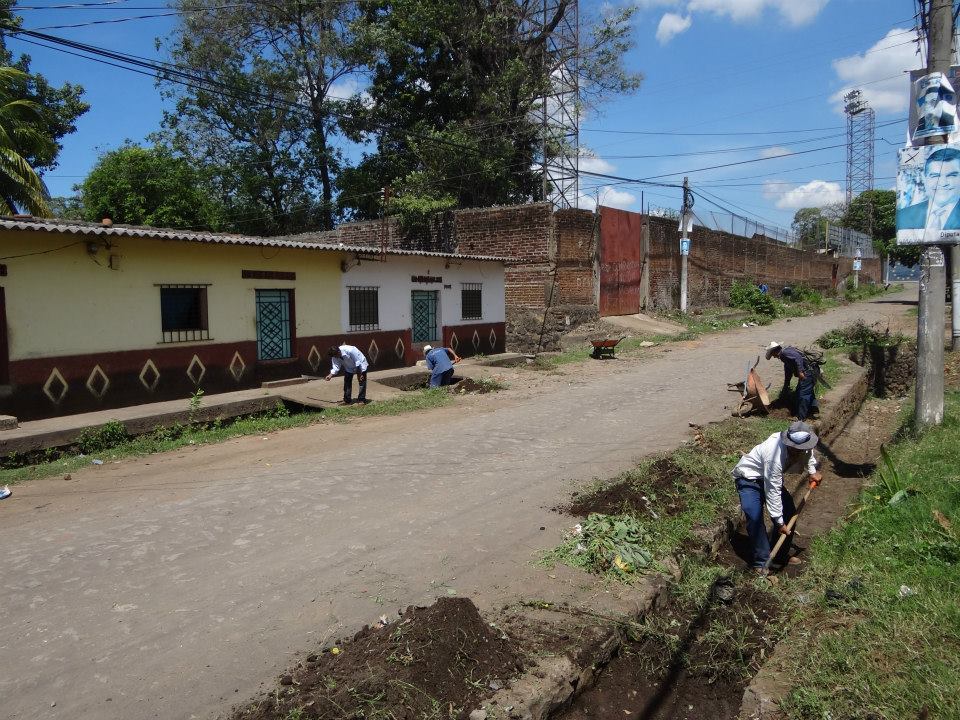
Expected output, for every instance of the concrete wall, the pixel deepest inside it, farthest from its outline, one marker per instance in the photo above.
(394, 280)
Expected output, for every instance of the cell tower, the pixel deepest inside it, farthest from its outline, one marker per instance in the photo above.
(560, 105)
(861, 129)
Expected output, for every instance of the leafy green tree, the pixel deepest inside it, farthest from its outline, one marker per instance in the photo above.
(147, 186)
(809, 225)
(256, 158)
(21, 136)
(279, 66)
(455, 91)
(58, 108)
(878, 208)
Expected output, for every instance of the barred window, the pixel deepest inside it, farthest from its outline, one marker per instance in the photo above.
(471, 301)
(364, 308)
(183, 313)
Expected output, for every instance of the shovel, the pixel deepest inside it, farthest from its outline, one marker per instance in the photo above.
(790, 524)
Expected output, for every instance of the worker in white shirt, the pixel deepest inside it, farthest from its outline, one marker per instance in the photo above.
(351, 361)
(759, 478)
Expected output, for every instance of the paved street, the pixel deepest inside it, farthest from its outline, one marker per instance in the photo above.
(172, 586)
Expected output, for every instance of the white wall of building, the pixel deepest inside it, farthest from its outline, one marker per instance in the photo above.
(393, 278)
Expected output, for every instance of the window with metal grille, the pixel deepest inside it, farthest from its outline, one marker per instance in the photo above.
(183, 313)
(471, 301)
(364, 308)
(274, 324)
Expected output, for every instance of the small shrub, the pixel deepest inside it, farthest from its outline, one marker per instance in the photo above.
(613, 545)
(93, 440)
(806, 294)
(747, 296)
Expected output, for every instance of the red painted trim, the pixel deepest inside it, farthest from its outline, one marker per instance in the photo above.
(4, 346)
(465, 347)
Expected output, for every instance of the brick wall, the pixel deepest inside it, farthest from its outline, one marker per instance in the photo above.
(717, 259)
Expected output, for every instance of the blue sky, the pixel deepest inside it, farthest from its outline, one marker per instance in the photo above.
(766, 67)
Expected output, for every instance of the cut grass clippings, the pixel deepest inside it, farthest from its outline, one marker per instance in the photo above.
(165, 439)
(879, 635)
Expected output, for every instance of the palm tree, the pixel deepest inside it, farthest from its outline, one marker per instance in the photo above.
(21, 135)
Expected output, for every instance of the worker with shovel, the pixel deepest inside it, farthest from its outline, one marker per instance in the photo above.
(759, 479)
(795, 364)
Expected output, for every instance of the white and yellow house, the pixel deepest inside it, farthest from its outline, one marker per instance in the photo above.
(95, 316)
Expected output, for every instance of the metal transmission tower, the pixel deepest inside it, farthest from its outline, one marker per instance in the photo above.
(861, 129)
(560, 105)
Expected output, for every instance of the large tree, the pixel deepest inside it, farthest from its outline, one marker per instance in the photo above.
(277, 66)
(456, 94)
(875, 212)
(147, 186)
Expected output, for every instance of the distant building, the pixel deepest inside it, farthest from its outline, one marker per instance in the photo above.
(95, 316)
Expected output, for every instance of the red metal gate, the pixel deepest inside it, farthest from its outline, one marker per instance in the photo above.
(619, 262)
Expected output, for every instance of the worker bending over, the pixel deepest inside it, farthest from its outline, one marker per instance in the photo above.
(794, 364)
(759, 479)
(352, 362)
(440, 363)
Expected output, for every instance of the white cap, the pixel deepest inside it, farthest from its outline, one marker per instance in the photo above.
(774, 345)
(427, 348)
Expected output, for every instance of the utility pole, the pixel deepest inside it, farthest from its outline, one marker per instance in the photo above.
(684, 242)
(929, 398)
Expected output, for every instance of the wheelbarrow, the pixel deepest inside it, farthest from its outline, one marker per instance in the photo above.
(604, 348)
(753, 393)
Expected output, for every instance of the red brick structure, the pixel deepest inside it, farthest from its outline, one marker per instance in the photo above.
(717, 259)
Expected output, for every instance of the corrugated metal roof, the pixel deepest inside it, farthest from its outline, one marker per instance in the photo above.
(98, 230)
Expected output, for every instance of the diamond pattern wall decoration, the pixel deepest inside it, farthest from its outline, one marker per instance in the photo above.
(493, 339)
(373, 352)
(476, 341)
(454, 341)
(313, 358)
(55, 387)
(399, 348)
(196, 370)
(149, 376)
(98, 383)
(237, 366)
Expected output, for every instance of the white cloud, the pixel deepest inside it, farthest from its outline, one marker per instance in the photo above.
(883, 66)
(672, 25)
(610, 197)
(775, 151)
(816, 193)
(795, 12)
(590, 163)
(345, 88)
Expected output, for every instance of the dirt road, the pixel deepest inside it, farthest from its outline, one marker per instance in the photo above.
(172, 586)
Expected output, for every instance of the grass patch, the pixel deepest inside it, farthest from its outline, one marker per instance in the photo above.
(110, 442)
(881, 636)
(666, 498)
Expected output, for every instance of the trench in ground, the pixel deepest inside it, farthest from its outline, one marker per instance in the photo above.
(690, 660)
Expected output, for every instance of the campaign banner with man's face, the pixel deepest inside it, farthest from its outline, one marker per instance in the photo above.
(933, 104)
(928, 195)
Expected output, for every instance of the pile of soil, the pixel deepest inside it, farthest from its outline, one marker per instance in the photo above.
(660, 486)
(436, 661)
(469, 385)
(690, 664)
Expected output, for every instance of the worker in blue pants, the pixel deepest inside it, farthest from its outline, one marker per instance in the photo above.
(440, 363)
(794, 364)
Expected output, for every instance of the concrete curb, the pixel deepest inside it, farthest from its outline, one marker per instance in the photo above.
(554, 682)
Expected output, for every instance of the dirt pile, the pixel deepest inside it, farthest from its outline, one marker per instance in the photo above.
(658, 490)
(436, 661)
(686, 663)
(469, 385)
